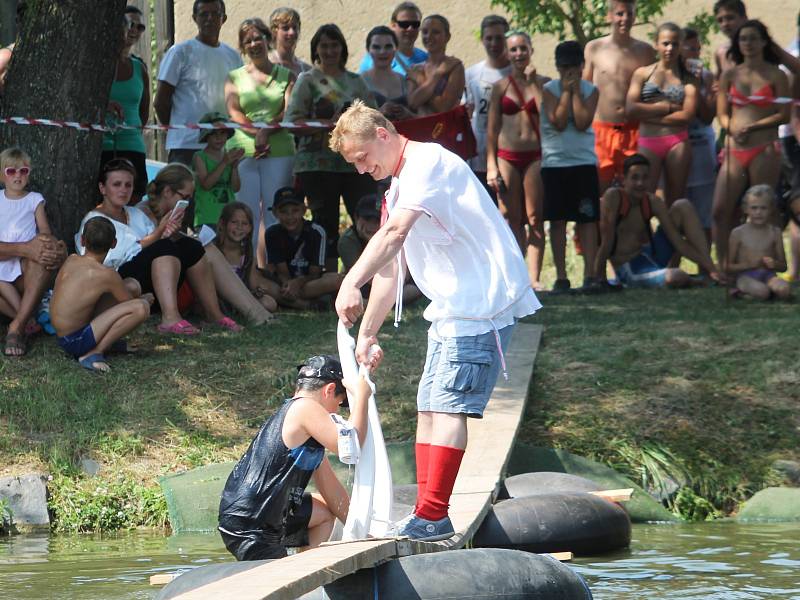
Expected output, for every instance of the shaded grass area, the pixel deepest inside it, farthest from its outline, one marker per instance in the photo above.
(675, 389)
(678, 388)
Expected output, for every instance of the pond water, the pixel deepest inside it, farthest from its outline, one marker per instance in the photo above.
(709, 561)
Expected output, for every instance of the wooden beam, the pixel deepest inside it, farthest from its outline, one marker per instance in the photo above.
(484, 463)
(162, 578)
(621, 495)
(562, 556)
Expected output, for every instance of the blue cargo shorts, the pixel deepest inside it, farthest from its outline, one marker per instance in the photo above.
(460, 373)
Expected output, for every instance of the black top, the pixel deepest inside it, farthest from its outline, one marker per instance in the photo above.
(269, 480)
(299, 253)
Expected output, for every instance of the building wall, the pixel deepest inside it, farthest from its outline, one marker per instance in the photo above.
(355, 20)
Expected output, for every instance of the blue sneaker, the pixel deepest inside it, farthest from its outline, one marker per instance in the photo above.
(422, 530)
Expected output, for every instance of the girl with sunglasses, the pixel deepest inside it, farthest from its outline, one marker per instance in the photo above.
(129, 103)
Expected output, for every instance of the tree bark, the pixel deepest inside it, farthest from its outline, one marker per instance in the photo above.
(62, 68)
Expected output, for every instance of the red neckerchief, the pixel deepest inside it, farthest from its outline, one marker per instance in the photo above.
(384, 209)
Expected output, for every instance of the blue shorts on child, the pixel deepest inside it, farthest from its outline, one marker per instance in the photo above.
(78, 343)
(649, 268)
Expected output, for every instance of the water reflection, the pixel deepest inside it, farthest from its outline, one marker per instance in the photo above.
(705, 561)
(724, 561)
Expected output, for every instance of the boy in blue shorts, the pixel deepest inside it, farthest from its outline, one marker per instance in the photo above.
(92, 306)
(640, 256)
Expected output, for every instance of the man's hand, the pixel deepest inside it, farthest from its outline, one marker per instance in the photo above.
(291, 289)
(349, 304)
(149, 298)
(368, 352)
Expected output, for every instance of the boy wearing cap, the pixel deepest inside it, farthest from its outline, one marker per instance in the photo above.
(264, 507)
(295, 251)
(569, 162)
(217, 172)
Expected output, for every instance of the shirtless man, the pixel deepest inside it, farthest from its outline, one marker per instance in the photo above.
(639, 256)
(92, 307)
(610, 63)
(730, 15)
(756, 249)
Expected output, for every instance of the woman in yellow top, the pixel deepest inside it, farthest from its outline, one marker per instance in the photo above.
(259, 92)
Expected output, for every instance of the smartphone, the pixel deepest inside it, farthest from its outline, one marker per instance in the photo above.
(180, 206)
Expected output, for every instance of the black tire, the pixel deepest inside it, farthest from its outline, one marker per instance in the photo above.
(568, 521)
(472, 574)
(544, 482)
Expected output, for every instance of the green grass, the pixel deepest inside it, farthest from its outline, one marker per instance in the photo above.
(671, 386)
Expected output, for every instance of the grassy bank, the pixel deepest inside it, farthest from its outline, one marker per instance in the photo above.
(679, 386)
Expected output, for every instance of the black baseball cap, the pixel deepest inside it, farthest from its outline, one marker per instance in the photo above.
(325, 367)
(287, 195)
(569, 54)
(369, 207)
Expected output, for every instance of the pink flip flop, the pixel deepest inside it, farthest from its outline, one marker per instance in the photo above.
(182, 327)
(229, 324)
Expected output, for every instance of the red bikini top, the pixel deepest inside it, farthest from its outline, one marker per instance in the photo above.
(741, 99)
(508, 105)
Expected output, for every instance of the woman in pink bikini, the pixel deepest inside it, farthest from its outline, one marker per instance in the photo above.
(746, 110)
(514, 152)
(663, 96)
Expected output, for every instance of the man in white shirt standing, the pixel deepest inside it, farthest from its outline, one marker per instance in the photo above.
(191, 80)
(480, 79)
(441, 224)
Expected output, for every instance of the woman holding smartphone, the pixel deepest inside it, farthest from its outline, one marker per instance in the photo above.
(150, 248)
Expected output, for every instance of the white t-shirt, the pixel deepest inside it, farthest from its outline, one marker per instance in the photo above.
(17, 226)
(198, 72)
(128, 236)
(480, 78)
(460, 251)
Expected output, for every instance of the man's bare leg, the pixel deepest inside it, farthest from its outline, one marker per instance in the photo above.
(685, 218)
(321, 523)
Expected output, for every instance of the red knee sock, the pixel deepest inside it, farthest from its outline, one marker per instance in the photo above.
(421, 452)
(443, 465)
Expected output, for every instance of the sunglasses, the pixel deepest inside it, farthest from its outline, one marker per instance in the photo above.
(118, 163)
(137, 26)
(11, 171)
(408, 24)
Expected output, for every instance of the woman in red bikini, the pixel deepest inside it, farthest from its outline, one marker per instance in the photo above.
(513, 150)
(663, 96)
(751, 118)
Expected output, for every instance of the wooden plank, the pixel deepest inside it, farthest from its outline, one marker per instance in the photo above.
(484, 464)
(562, 556)
(162, 578)
(621, 495)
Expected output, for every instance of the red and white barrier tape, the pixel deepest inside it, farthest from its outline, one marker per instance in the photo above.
(122, 126)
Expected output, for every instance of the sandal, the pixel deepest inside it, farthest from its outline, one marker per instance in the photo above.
(229, 324)
(92, 362)
(182, 327)
(15, 345)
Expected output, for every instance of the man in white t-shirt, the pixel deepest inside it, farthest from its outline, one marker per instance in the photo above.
(441, 224)
(480, 79)
(191, 80)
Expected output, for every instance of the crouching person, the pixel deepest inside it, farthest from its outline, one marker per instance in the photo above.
(264, 507)
(92, 306)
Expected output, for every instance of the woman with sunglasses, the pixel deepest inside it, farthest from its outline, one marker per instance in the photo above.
(389, 87)
(440, 79)
(129, 103)
(322, 94)
(150, 247)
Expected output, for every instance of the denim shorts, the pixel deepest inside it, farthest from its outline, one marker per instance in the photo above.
(460, 373)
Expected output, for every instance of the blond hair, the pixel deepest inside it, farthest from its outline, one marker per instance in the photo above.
(359, 121)
(762, 190)
(13, 157)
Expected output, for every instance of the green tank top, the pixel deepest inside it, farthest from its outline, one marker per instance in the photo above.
(208, 204)
(128, 94)
(262, 103)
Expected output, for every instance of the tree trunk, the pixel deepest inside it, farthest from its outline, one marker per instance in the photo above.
(62, 68)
